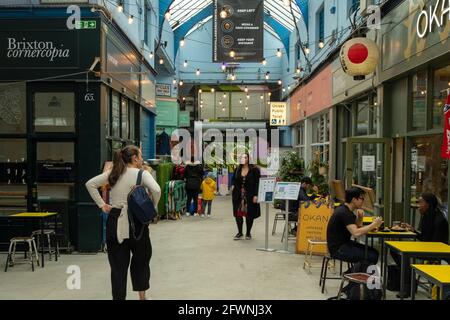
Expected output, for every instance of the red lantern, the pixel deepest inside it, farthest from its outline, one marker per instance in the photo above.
(359, 57)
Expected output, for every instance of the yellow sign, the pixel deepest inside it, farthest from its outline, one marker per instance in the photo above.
(278, 113)
(313, 223)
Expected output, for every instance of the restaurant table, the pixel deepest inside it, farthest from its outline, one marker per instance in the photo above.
(436, 274)
(367, 220)
(383, 235)
(413, 249)
(41, 216)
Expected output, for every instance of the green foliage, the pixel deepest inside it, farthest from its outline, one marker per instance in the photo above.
(292, 168)
(318, 179)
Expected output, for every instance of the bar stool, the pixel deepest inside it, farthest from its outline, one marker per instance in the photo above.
(49, 233)
(325, 266)
(32, 250)
(359, 278)
(309, 250)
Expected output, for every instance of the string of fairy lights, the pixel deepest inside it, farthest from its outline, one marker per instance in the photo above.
(232, 77)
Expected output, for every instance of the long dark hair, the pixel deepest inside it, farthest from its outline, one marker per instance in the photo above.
(120, 160)
(433, 203)
(250, 165)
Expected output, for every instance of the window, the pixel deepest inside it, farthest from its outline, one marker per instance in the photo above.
(125, 119)
(132, 121)
(115, 115)
(13, 156)
(419, 101)
(13, 108)
(320, 138)
(54, 112)
(55, 161)
(441, 86)
(301, 139)
(320, 25)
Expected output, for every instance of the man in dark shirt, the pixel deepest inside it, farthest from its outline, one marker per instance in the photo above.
(433, 227)
(344, 224)
(294, 205)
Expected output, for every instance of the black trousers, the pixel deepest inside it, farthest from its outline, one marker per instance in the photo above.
(192, 195)
(248, 223)
(354, 252)
(119, 259)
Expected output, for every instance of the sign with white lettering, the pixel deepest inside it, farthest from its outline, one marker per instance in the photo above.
(287, 190)
(163, 90)
(368, 163)
(278, 113)
(41, 49)
(435, 17)
(266, 190)
(238, 31)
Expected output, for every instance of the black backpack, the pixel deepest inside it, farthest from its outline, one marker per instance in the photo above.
(140, 207)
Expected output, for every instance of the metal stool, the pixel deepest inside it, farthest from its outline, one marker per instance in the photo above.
(278, 216)
(47, 232)
(359, 278)
(323, 273)
(309, 250)
(32, 250)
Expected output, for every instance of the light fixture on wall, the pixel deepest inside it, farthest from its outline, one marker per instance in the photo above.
(223, 13)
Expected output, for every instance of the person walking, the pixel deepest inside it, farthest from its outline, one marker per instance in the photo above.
(245, 196)
(122, 178)
(208, 194)
(193, 176)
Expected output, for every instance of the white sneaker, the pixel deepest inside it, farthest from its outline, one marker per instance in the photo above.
(209, 216)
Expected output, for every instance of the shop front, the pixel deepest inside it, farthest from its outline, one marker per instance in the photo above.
(416, 83)
(59, 123)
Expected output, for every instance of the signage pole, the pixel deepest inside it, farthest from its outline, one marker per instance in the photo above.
(266, 248)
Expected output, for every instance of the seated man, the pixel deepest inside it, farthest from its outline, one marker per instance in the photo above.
(433, 227)
(347, 222)
(306, 183)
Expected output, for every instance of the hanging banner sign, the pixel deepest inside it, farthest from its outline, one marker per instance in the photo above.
(238, 30)
(445, 152)
(278, 113)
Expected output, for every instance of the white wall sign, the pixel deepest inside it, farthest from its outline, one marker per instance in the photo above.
(435, 17)
(421, 163)
(368, 163)
(163, 89)
(287, 190)
(278, 113)
(266, 189)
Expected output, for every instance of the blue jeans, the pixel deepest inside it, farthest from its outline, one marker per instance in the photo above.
(354, 252)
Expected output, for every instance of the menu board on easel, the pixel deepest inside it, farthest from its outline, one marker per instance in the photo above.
(313, 222)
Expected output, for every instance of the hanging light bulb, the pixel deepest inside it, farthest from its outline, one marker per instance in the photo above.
(232, 53)
(201, 106)
(181, 83)
(233, 77)
(197, 72)
(130, 19)
(284, 89)
(289, 87)
(120, 7)
(248, 96)
(201, 101)
(262, 97)
(280, 82)
(223, 109)
(184, 98)
(185, 63)
(267, 76)
(151, 55)
(270, 94)
(268, 102)
(240, 101)
(182, 42)
(307, 50)
(220, 102)
(246, 108)
(224, 95)
(174, 81)
(224, 67)
(246, 89)
(199, 90)
(279, 54)
(264, 62)
(287, 3)
(321, 44)
(212, 90)
(161, 61)
(168, 15)
(298, 71)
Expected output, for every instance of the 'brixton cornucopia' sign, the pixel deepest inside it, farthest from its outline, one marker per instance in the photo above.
(359, 57)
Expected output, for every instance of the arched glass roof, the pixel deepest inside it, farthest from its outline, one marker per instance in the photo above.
(183, 10)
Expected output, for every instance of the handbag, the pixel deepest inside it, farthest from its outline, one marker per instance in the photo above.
(140, 207)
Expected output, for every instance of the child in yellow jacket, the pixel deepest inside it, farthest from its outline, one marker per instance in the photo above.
(208, 193)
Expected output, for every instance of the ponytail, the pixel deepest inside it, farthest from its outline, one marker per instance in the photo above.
(120, 160)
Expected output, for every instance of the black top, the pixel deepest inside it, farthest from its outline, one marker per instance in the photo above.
(433, 227)
(337, 232)
(251, 184)
(193, 174)
(295, 204)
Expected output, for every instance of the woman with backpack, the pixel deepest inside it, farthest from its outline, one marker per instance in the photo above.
(122, 178)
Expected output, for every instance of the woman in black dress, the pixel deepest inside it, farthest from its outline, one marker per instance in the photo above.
(245, 196)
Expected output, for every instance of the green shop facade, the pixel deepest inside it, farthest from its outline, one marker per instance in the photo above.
(415, 76)
(59, 124)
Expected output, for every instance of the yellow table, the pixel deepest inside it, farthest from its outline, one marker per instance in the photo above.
(367, 220)
(436, 274)
(41, 216)
(413, 249)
